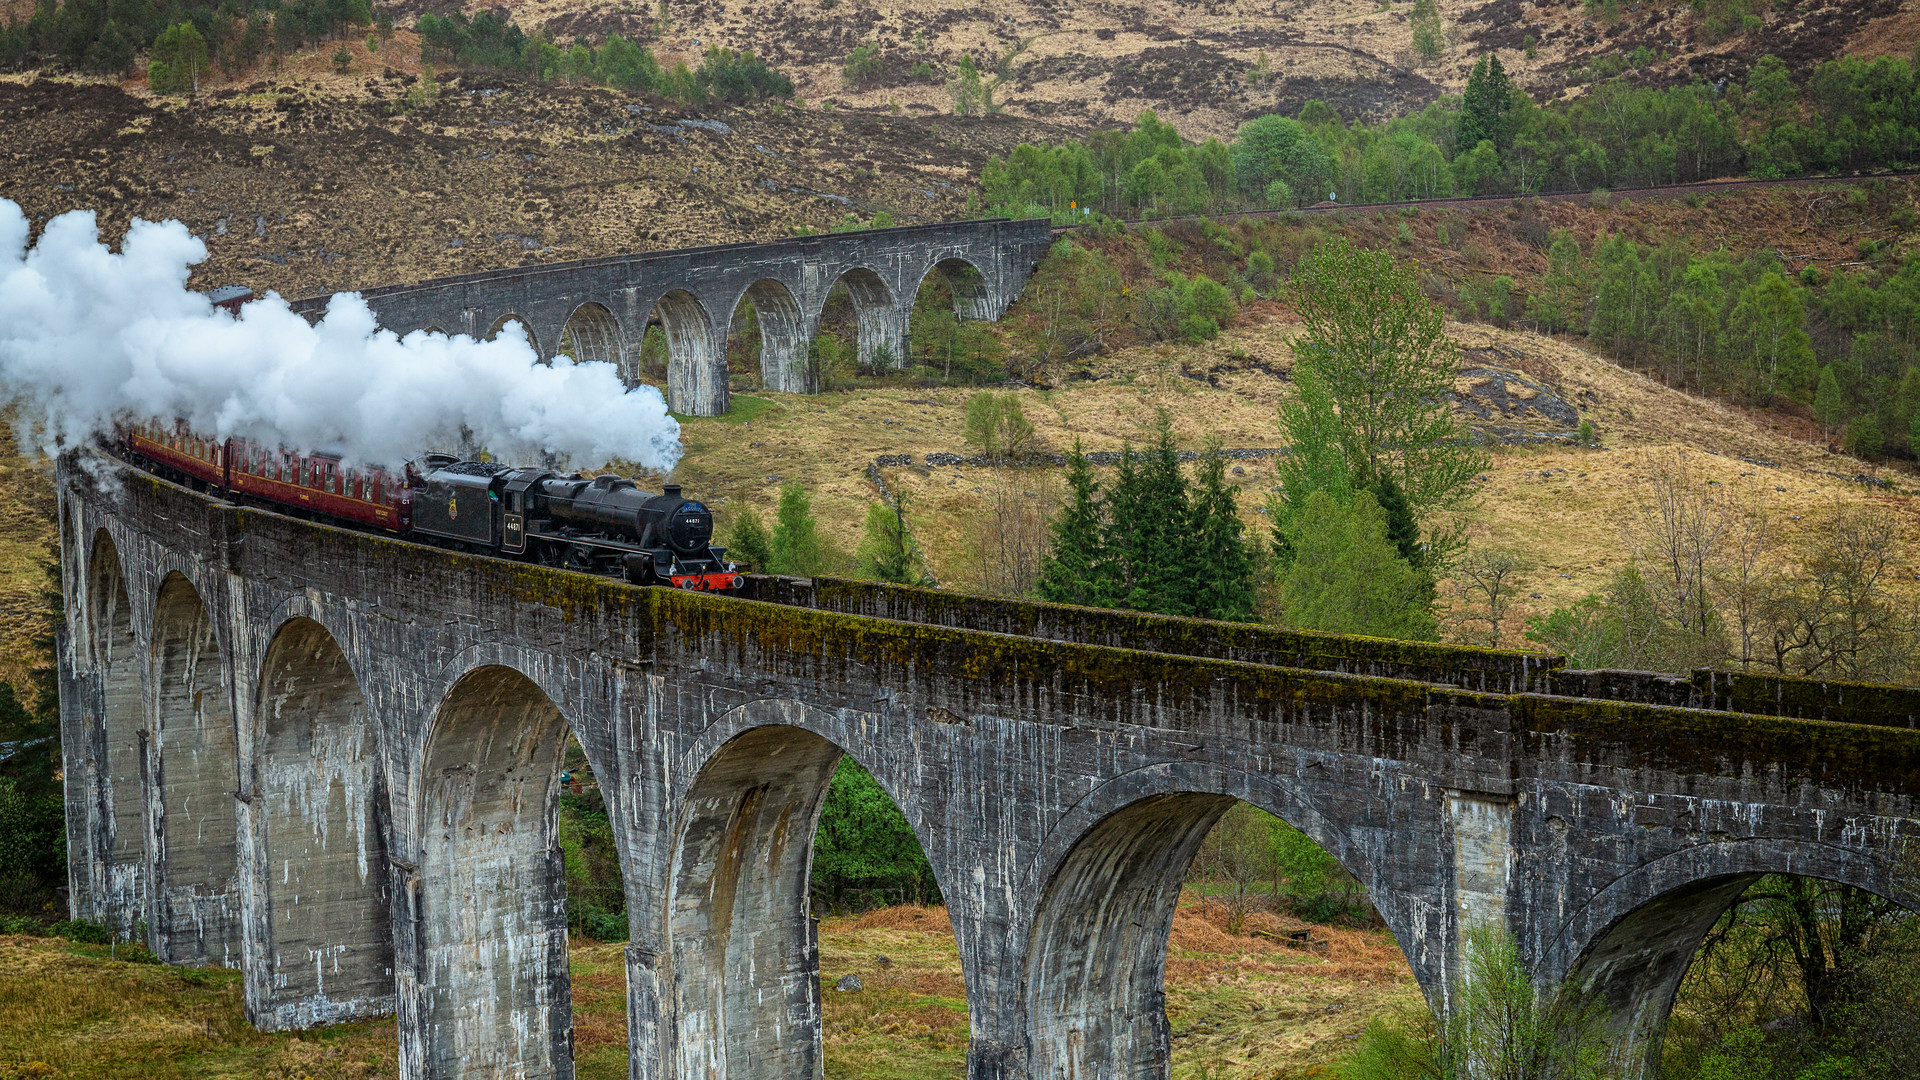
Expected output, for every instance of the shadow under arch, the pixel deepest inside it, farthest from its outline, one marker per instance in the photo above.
(783, 339)
(882, 329)
(321, 799)
(1096, 957)
(1641, 932)
(967, 284)
(696, 366)
(496, 996)
(122, 798)
(746, 978)
(196, 776)
(526, 328)
(593, 335)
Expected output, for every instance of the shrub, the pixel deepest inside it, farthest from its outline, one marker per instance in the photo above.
(997, 426)
(863, 65)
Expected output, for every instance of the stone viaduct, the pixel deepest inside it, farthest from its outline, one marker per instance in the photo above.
(602, 306)
(331, 760)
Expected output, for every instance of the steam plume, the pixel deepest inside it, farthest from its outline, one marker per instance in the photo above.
(88, 337)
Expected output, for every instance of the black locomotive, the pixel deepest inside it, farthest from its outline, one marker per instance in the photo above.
(602, 524)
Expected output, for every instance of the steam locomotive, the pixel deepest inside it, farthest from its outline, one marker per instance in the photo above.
(600, 524)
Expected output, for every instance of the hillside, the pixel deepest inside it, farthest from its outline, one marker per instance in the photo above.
(312, 182)
(1077, 62)
(1561, 506)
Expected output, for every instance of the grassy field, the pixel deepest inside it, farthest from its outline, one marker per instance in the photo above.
(1241, 1007)
(1561, 507)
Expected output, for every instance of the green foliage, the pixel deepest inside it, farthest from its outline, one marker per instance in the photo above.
(969, 94)
(1487, 109)
(1501, 1025)
(1274, 148)
(179, 60)
(864, 65)
(1077, 568)
(1153, 542)
(1191, 309)
(865, 853)
(888, 551)
(342, 60)
(749, 543)
(1429, 38)
(596, 892)
(997, 426)
(1221, 557)
(796, 546)
(1341, 573)
(1375, 372)
(1849, 114)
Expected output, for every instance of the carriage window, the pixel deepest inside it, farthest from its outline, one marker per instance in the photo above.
(330, 477)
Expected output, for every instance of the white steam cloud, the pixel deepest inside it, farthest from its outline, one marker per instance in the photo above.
(88, 337)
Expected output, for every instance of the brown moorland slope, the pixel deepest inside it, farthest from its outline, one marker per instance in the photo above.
(1080, 62)
(317, 182)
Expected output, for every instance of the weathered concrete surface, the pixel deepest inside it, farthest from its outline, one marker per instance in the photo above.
(397, 713)
(603, 305)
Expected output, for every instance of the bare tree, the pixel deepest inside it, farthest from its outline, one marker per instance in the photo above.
(1490, 576)
(1237, 854)
(1746, 579)
(1010, 541)
(1677, 535)
(1838, 618)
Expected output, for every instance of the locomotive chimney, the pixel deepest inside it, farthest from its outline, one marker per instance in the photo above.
(672, 491)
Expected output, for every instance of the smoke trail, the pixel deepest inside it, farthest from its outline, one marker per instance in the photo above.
(88, 337)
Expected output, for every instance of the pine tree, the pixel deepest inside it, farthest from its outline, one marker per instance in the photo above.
(796, 545)
(749, 544)
(1163, 568)
(1078, 568)
(1119, 542)
(1223, 561)
(889, 552)
(1485, 111)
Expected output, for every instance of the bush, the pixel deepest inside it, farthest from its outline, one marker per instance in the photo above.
(865, 854)
(997, 426)
(863, 65)
(82, 931)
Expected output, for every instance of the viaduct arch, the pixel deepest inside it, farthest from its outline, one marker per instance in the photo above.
(397, 716)
(601, 307)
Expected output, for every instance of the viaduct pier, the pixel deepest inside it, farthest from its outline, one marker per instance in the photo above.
(331, 760)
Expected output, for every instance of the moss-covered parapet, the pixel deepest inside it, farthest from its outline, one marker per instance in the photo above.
(1808, 699)
(1495, 670)
(1699, 742)
(992, 672)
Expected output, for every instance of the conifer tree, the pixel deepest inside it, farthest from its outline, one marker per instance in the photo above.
(1485, 109)
(889, 552)
(1120, 544)
(749, 544)
(796, 545)
(1223, 585)
(1161, 524)
(1078, 567)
